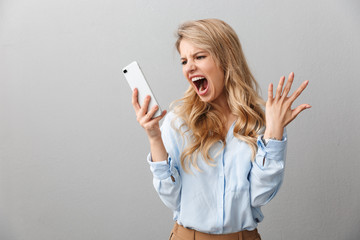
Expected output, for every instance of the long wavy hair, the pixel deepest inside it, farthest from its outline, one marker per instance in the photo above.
(203, 120)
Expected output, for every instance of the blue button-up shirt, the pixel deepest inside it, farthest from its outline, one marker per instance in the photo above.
(223, 198)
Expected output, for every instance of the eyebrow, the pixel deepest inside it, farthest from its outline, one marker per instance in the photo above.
(197, 53)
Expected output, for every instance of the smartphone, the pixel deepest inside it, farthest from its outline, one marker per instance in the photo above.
(136, 79)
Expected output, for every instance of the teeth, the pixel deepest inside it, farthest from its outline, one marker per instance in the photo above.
(197, 78)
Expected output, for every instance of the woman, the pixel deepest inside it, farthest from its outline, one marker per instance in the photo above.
(218, 157)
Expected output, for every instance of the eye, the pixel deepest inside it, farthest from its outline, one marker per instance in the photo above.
(183, 62)
(200, 57)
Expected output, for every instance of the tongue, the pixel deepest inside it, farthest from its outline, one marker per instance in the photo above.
(203, 85)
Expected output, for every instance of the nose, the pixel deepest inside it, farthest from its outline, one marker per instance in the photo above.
(190, 67)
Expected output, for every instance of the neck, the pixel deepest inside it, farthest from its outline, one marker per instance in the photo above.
(224, 108)
(223, 105)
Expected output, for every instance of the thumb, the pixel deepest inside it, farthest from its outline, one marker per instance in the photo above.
(298, 110)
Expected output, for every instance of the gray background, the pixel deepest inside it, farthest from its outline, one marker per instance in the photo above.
(73, 156)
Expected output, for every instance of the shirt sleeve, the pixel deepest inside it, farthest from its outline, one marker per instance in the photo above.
(166, 176)
(267, 170)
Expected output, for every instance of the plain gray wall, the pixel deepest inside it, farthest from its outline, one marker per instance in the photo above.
(73, 158)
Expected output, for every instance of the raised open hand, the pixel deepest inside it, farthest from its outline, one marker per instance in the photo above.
(278, 112)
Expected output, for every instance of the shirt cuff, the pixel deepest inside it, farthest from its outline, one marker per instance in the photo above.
(161, 170)
(274, 149)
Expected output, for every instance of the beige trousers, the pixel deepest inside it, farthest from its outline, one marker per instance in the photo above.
(181, 233)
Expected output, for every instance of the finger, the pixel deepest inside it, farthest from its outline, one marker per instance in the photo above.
(145, 106)
(135, 101)
(298, 91)
(298, 110)
(279, 87)
(149, 115)
(288, 85)
(270, 93)
(156, 120)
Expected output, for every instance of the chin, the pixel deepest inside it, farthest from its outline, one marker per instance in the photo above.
(207, 99)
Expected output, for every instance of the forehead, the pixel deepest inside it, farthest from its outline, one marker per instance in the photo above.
(187, 47)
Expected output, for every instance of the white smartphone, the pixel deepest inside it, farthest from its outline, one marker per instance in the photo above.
(136, 79)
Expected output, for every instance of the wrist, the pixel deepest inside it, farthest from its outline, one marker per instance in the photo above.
(155, 139)
(157, 149)
(274, 134)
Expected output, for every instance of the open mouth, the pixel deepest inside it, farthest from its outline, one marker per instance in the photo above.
(201, 84)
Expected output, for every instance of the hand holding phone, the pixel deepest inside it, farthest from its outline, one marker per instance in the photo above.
(136, 79)
(147, 116)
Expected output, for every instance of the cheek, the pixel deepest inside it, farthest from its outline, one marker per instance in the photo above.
(185, 75)
(221, 79)
(183, 71)
(218, 82)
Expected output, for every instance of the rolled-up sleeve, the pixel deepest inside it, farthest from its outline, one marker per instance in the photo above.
(267, 170)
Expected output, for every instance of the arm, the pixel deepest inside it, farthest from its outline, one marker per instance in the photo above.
(166, 178)
(166, 181)
(268, 168)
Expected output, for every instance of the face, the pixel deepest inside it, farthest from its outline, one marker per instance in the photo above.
(202, 72)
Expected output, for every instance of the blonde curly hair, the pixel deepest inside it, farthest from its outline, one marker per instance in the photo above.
(204, 119)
